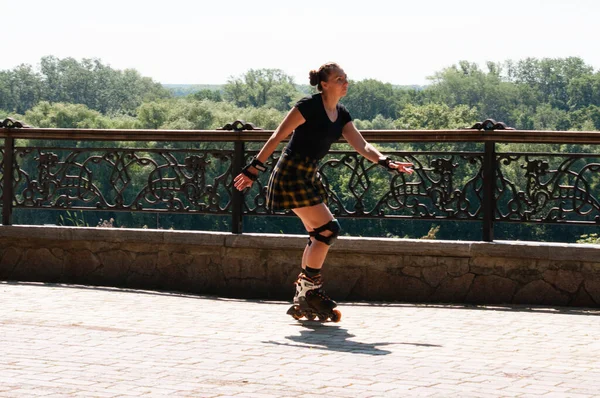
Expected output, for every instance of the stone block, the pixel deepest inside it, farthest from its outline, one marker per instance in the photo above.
(80, 266)
(488, 266)
(592, 287)
(534, 250)
(540, 292)
(39, 265)
(582, 299)
(194, 238)
(339, 283)
(205, 276)
(568, 281)
(524, 275)
(565, 265)
(115, 267)
(491, 289)
(415, 272)
(146, 263)
(8, 261)
(266, 241)
(379, 285)
(453, 290)
(420, 261)
(591, 269)
(434, 275)
(456, 266)
(574, 252)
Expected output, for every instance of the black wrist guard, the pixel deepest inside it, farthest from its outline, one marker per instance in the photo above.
(257, 164)
(385, 163)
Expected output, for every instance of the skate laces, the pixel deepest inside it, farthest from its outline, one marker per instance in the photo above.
(320, 292)
(315, 280)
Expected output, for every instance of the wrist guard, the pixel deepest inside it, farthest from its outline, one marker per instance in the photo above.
(257, 164)
(385, 163)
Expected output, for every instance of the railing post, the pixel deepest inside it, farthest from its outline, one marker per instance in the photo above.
(489, 190)
(237, 198)
(237, 213)
(7, 189)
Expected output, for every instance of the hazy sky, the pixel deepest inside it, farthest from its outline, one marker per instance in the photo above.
(395, 41)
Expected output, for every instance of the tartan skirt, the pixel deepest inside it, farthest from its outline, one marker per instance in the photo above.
(295, 182)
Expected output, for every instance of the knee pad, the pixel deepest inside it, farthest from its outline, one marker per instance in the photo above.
(333, 226)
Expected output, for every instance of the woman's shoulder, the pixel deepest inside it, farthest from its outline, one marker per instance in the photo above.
(309, 99)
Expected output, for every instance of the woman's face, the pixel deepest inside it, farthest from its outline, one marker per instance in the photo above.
(337, 83)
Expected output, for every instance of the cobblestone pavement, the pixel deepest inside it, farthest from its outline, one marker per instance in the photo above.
(60, 340)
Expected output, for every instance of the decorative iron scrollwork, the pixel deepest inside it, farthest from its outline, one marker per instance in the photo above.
(529, 187)
(11, 123)
(552, 189)
(239, 125)
(178, 181)
(490, 125)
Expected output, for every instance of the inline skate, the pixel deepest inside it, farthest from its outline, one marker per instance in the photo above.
(311, 301)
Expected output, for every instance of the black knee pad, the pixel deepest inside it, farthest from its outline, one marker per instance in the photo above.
(333, 226)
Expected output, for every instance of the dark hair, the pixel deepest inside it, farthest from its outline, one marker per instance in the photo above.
(322, 74)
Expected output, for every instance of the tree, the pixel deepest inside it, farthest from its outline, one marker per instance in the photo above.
(152, 115)
(368, 98)
(86, 82)
(262, 87)
(61, 115)
(465, 84)
(20, 88)
(436, 116)
(208, 94)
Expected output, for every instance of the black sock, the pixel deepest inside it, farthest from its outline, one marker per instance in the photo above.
(312, 272)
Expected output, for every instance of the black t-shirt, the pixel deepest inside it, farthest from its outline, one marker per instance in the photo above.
(314, 137)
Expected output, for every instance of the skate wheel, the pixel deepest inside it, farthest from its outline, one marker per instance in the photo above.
(294, 312)
(336, 316)
(310, 317)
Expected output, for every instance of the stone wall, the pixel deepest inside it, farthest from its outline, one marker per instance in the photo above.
(265, 266)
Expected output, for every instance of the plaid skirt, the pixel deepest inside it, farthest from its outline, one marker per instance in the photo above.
(295, 182)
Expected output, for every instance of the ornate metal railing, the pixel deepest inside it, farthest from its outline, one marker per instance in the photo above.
(191, 172)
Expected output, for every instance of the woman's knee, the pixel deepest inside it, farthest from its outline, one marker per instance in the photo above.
(326, 233)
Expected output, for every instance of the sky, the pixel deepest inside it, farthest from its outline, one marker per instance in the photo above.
(207, 42)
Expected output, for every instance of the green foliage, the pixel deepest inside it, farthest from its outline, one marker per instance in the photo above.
(593, 239)
(433, 232)
(206, 94)
(152, 115)
(270, 88)
(75, 219)
(184, 90)
(436, 116)
(60, 115)
(369, 98)
(87, 82)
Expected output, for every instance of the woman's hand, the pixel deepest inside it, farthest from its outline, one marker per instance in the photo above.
(242, 181)
(402, 167)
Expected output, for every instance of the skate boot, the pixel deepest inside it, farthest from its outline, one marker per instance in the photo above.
(311, 301)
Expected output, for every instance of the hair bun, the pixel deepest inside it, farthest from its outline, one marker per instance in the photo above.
(313, 76)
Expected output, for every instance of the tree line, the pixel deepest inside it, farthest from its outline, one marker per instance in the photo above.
(539, 94)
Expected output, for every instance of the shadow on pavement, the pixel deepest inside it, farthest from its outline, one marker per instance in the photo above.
(315, 335)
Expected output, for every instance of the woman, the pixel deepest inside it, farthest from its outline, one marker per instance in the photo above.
(316, 122)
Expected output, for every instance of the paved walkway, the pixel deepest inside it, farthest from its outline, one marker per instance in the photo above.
(104, 342)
